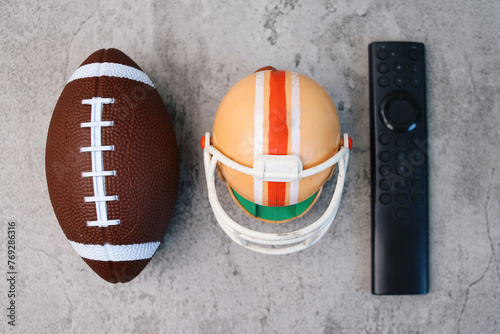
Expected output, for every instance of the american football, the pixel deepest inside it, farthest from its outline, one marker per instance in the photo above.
(112, 165)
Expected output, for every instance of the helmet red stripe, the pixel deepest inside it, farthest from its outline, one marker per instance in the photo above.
(278, 132)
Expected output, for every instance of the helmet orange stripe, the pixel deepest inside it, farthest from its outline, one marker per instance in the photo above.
(278, 132)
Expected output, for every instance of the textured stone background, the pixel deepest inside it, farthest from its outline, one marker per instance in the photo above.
(199, 281)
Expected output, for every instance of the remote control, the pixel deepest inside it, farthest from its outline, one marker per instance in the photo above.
(398, 130)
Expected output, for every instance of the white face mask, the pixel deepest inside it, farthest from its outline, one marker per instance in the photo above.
(277, 168)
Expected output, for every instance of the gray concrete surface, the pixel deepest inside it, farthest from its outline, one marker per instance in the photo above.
(200, 281)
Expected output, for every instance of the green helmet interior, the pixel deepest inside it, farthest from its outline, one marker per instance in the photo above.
(275, 213)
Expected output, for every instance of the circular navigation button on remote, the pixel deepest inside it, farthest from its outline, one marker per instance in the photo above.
(399, 111)
(413, 68)
(402, 213)
(385, 156)
(383, 54)
(383, 68)
(384, 81)
(384, 139)
(386, 199)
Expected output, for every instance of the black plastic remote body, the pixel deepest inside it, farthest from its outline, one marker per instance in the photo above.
(399, 168)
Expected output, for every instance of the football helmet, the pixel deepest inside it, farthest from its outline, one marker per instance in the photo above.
(276, 140)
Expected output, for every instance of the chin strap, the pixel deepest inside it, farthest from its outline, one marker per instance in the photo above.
(274, 243)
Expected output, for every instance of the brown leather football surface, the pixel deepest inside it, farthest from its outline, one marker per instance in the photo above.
(112, 165)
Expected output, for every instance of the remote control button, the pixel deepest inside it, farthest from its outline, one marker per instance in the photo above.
(413, 68)
(399, 81)
(385, 199)
(402, 198)
(415, 139)
(385, 156)
(399, 67)
(383, 54)
(385, 184)
(401, 185)
(384, 81)
(417, 184)
(402, 213)
(385, 170)
(415, 82)
(417, 171)
(416, 157)
(403, 171)
(383, 68)
(401, 156)
(401, 141)
(399, 111)
(413, 54)
(384, 139)
(417, 199)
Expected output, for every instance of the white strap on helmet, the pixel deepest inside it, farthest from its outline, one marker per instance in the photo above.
(268, 170)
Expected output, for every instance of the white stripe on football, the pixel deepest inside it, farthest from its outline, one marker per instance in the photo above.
(110, 70)
(116, 252)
